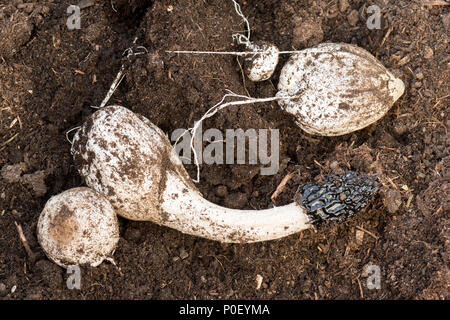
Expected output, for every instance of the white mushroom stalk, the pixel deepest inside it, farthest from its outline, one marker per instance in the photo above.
(188, 212)
(130, 161)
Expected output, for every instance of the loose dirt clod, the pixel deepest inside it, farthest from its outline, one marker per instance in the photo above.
(307, 33)
(36, 181)
(393, 200)
(353, 18)
(12, 173)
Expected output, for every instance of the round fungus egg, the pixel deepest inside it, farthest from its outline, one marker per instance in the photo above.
(341, 87)
(261, 65)
(78, 227)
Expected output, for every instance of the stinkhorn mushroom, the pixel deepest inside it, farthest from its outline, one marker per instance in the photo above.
(125, 157)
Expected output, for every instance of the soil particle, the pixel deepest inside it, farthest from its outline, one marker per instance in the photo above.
(133, 234)
(165, 294)
(359, 236)
(36, 181)
(353, 18)
(12, 173)
(428, 53)
(307, 33)
(34, 296)
(3, 290)
(446, 21)
(221, 191)
(392, 200)
(237, 200)
(419, 74)
(50, 273)
(95, 31)
(183, 254)
(343, 5)
(336, 168)
(400, 128)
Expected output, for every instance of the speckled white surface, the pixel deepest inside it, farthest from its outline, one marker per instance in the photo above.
(260, 67)
(78, 227)
(123, 156)
(346, 89)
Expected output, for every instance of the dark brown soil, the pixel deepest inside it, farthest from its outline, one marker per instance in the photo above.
(50, 76)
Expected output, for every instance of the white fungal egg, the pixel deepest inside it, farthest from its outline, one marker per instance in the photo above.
(78, 227)
(344, 89)
(261, 66)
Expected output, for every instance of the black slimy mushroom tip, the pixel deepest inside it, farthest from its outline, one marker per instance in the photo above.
(339, 198)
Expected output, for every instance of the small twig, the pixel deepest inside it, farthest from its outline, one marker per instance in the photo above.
(408, 203)
(319, 165)
(9, 140)
(31, 254)
(391, 28)
(281, 186)
(219, 262)
(435, 3)
(20, 122)
(361, 292)
(85, 4)
(392, 183)
(368, 232)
